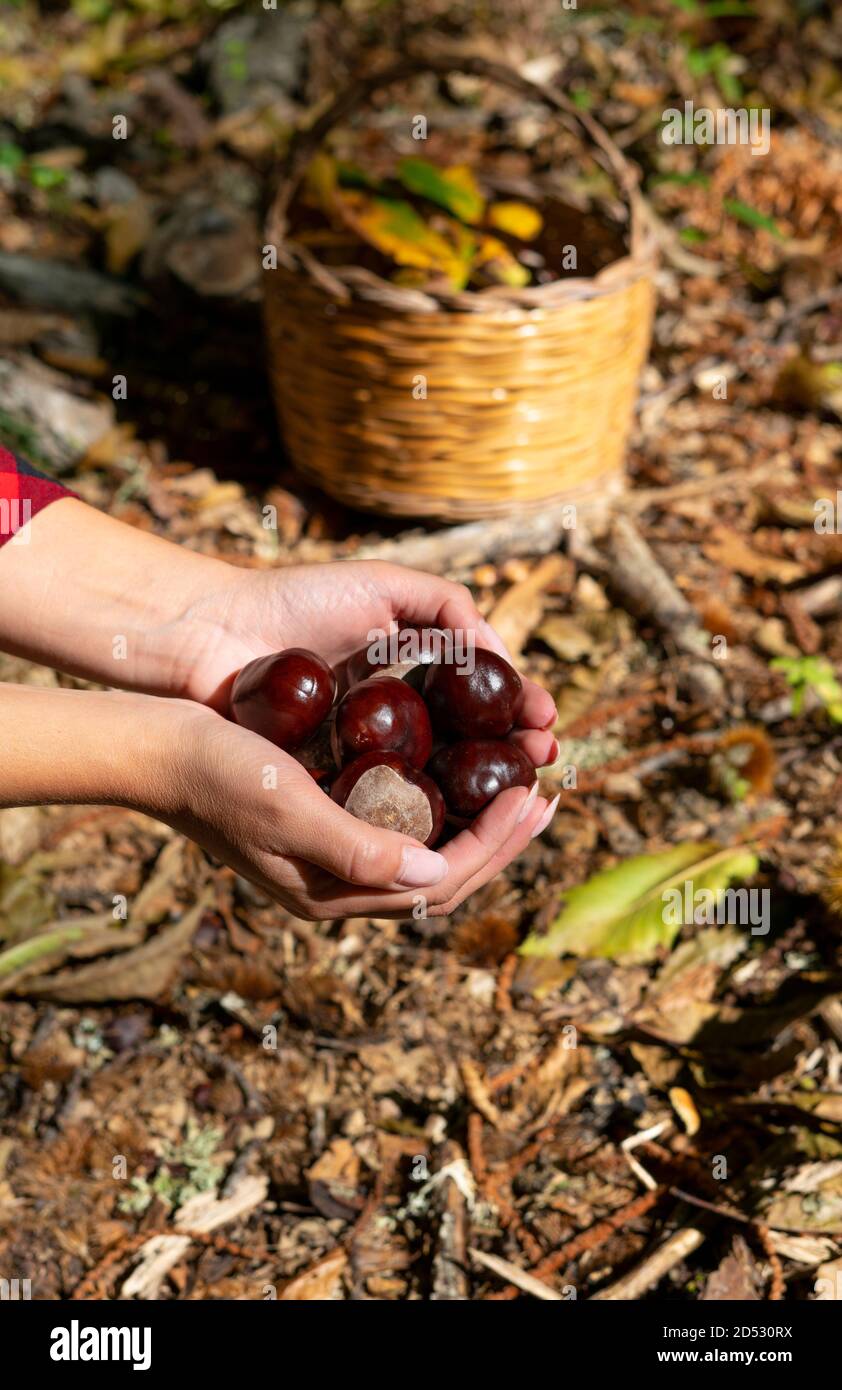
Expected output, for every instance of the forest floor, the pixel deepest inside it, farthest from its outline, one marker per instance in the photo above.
(384, 1110)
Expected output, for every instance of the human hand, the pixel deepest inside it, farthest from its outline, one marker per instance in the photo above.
(332, 609)
(256, 808)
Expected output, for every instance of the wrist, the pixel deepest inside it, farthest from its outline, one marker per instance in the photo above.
(113, 604)
(92, 748)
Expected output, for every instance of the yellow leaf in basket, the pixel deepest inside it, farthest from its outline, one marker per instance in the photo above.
(394, 227)
(516, 219)
(499, 264)
(321, 181)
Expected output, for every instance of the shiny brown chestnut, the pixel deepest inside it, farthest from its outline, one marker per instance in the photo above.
(471, 773)
(405, 654)
(384, 790)
(284, 696)
(382, 715)
(478, 703)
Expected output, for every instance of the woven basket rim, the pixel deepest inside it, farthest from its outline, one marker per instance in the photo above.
(344, 283)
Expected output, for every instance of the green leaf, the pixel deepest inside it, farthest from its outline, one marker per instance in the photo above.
(454, 189)
(45, 176)
(743, 212)
(353, 176)
(728, 9)
(26, 952)
(11, 156)
(622, 912)
(814, 673)
(683, 180)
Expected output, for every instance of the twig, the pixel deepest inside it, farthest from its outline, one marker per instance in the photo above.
(476, 1153)
(648, 592)
(527, 1282)
(652, 1269)
(457, 550)
(478, 1093)
(503, 993)
(590, 1239)
(450, 1282)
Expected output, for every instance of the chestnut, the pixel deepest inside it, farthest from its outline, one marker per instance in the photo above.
(478, 703)
(384, 790)
(316, 753)
(471, 773)
(284, 696)
(404, 654)
(382, 715)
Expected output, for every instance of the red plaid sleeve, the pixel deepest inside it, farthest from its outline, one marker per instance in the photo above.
(23, 493)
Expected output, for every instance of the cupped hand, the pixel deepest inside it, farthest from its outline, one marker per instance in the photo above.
(259, 811)
(332, 609)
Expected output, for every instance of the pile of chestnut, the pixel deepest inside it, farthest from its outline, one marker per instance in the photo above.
(409, 745)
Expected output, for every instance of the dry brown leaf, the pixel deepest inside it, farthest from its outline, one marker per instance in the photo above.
(333, 1181)
(320, 1282)
(143, 973)
(518, 612)
(729, 549)
(736, 1279)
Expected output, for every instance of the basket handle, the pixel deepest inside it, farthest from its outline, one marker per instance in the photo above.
(306, 142)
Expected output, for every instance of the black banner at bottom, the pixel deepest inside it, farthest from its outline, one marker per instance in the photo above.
(218, 1339)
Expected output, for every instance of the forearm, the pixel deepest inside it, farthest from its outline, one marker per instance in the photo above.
(88, 748)
(96, 598)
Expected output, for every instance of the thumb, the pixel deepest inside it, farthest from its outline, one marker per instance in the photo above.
(323, 834)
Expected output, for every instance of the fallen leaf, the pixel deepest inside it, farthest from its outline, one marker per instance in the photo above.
(624, 912)
(142, 973)
(810, 1202)
(736, 1279)
(566, 637)
(678, 1002)
(729, 549)
(516, 614)
(333, 1182)
(320, 1282)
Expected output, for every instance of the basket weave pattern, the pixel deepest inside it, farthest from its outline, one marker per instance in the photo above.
(396, 402)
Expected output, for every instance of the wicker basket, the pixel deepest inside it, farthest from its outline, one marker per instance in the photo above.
(529, 392)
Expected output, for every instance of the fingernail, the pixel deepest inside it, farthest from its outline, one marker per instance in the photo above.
(528, 804)
(546, 818)
(421, 867)
(554, 751)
